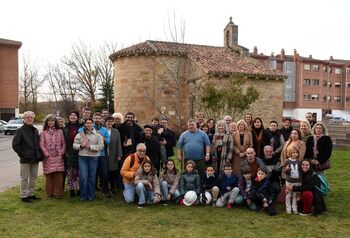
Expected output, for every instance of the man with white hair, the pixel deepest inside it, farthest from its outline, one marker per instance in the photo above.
(26, 144)
(131, 164)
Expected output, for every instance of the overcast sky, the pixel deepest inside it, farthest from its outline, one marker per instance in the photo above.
(48, 28)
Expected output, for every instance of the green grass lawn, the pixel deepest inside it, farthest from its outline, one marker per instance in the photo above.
(113, 218)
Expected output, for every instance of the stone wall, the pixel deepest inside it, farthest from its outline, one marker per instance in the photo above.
(269, 106)
(147, 85)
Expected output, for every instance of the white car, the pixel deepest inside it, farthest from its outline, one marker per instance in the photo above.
(1, 127)
(12, 126)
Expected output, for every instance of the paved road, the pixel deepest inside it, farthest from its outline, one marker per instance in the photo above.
(9, 164)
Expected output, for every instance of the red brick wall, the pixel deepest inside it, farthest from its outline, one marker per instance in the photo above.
(8, 77)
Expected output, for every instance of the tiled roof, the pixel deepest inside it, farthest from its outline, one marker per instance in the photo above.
(10, 42)
(213, 60)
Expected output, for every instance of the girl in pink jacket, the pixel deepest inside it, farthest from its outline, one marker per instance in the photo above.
(53, 146)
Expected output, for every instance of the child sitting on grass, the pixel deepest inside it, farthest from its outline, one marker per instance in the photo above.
(169, 182)
(246, 187)
(262, 196)
(147, 184)
(209, 184)
(229, 192)
(189, 181)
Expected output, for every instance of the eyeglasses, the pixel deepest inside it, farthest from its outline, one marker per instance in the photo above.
(142, 151)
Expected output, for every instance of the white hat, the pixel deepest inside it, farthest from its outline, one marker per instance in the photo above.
(190, 198)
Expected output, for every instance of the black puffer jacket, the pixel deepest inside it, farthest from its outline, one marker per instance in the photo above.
(26, 144)
(309, 181)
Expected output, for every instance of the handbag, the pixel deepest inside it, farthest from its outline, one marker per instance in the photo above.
(324, 166)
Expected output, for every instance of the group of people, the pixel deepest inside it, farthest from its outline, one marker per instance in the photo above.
(225, 163)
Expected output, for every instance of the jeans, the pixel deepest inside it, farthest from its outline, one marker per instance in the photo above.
(28, 176)
(232, 197)
(129, 192)
(144, 194)
(87, 179)
(165, 190)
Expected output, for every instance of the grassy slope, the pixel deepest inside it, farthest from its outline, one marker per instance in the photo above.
(111, 218)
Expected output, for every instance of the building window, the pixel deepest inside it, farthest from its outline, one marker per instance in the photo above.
(330, 70)
(337, 99)
(307, 67)
(348, 71)
(315, 82)
(348, 84)
(315, 67)
(337, 71)
(307, 97)
(307, 81)
(314, 97)
(337, 85)
(347, 99)
(324, 69)
(324, 83)
(330, 84)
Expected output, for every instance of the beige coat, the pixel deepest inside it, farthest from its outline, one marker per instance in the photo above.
(237, 148)
(171, 179)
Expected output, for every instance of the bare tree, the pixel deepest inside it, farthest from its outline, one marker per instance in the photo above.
(63, 87)
(30, 83)
(174, 69)
(83, 71)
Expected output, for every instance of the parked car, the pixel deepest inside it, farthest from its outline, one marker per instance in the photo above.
(3, 122)
(294, 122)
(336, 120)
(12, 126)
(1, 127)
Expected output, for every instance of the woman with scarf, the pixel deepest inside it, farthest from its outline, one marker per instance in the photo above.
(222, 147)
(319, 148)
(72, 167)
(260, 137)
(53, 146)
(305, 130)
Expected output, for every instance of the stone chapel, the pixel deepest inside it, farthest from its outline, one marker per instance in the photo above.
(156, 77)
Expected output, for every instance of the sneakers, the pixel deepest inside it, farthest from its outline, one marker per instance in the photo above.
(229, 205)
(289, 211)
(33, 197)
(304, 214)
(27, 200)
(141, 206)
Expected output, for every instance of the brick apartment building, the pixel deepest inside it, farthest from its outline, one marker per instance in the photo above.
(9, 94)
(313, 85)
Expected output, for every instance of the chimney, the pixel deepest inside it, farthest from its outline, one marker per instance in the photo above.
(272, 54)
(295, 55)
(255, 51)
(331, 58)
(310, 56)
(283, 54)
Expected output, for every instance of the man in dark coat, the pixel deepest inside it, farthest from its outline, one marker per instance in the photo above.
(286, 129)
(152, 145)
(130, 134)
(26, 144)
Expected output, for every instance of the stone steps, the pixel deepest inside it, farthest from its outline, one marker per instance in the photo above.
(340, 135)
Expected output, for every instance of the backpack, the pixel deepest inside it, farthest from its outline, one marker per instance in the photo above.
(323, 186)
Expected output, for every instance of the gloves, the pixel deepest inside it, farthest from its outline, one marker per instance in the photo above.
(204, 198)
